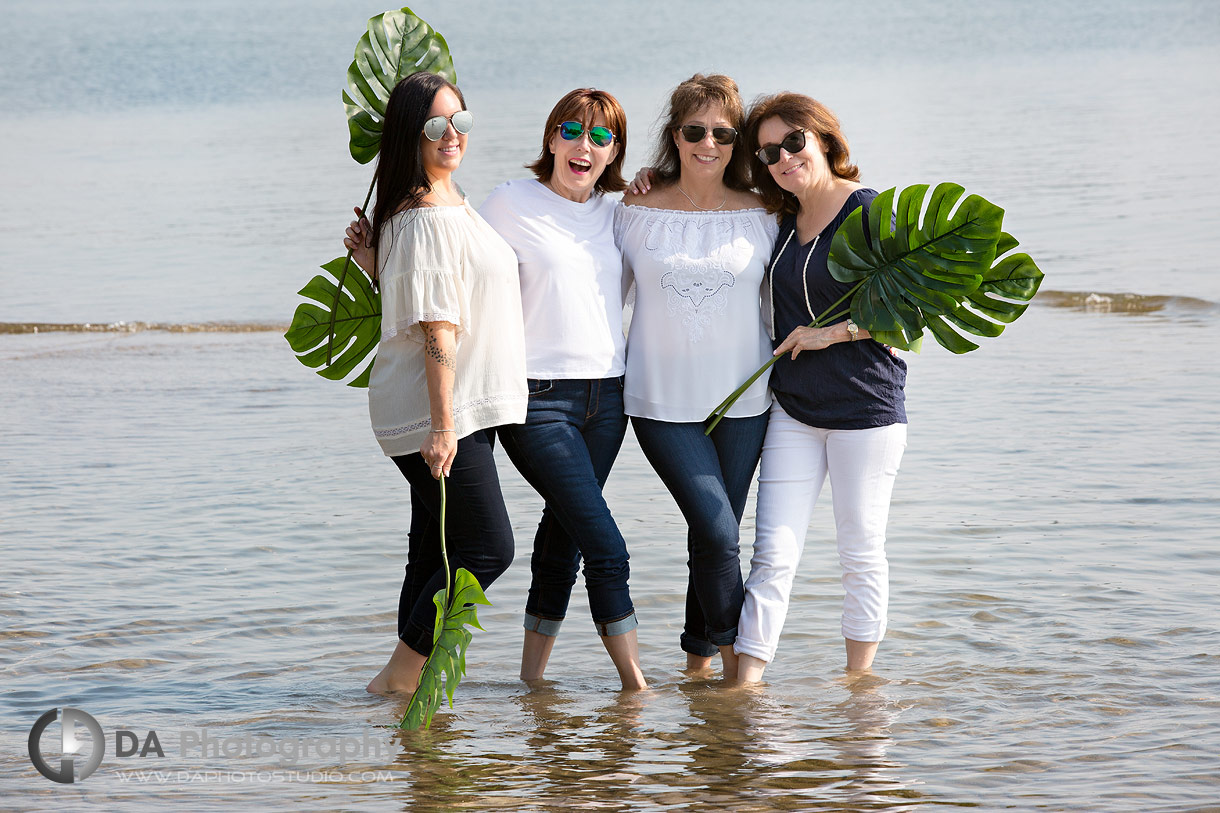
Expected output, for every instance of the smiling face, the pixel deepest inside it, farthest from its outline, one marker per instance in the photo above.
(579, 163)
(704, 158)
(797, 171)
(440, 158)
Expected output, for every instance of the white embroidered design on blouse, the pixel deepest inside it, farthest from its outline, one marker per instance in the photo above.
(698, 251)
(696, 291)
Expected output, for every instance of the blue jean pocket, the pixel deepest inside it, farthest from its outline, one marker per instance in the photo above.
(537, 386)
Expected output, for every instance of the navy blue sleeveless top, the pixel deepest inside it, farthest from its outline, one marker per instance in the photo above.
(849, 385)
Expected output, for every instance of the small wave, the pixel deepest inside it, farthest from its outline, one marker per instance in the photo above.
(139, 327)
(1097, 302)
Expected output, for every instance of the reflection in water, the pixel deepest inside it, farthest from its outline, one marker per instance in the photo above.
(679, 745)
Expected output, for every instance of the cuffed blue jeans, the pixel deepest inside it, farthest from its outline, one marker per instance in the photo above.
(709, 477)
(478, 534)
(565, 449)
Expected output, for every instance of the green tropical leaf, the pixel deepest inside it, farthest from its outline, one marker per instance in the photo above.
(356, 311)
(446, 665)
(916, 266)
(1014, 276)
(397, 44)
(920, 267)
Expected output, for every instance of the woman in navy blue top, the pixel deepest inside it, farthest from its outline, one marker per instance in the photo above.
(839, 408)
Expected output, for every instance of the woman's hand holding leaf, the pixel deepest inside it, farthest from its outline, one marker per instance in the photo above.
(808, 338)
(359, 241)
(438, 451)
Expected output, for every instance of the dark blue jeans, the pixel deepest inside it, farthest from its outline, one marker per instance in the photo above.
(709, 478)
(565, 449)
(478, 534)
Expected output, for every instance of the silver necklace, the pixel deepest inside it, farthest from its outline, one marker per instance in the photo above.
(705, 208)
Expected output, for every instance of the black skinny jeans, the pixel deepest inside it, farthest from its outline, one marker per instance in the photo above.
(478, 535)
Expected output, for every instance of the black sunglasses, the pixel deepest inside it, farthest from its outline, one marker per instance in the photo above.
(694, 133)
(793, 142)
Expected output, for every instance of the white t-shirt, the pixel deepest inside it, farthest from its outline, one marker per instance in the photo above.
(445, 264)
(570, 278)
(697, 332)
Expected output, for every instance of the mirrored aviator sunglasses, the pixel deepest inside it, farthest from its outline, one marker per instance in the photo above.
(793, 142)
(694, 133)
(572, 130)
(435, 127)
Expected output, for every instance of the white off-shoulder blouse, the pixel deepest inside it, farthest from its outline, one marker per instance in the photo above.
(697, 330)
(446, 264)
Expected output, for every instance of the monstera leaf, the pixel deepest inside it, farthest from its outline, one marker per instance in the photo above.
(932, 267)
(1014, 276)
(915, 268)
(446, 664)
(396, 45)
(355, 311)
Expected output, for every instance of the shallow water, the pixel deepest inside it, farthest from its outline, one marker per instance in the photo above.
(199, 533)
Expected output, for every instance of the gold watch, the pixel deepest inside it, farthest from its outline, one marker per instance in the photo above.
(853, 330)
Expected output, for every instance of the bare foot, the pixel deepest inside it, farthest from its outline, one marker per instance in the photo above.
(400, 675)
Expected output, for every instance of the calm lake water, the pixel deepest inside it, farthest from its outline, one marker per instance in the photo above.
(199, 533)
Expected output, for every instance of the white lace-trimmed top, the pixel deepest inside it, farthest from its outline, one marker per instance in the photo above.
(446, 264)
(697, 331)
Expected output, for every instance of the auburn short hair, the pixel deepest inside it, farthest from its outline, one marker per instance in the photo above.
(586, 105)
(799, 112)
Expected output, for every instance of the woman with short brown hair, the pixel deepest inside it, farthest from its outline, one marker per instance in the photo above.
(840, 404)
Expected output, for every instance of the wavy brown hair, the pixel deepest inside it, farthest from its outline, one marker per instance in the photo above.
(586, 105)
(799, 112)
(689, 98)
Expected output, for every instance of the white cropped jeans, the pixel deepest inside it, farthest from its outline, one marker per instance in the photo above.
(796, 458)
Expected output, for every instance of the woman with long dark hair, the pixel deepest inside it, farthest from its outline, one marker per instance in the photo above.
(451, 363)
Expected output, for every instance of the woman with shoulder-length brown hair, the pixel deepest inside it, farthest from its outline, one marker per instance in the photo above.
(839, 408)
(561, 225)
(696, 248)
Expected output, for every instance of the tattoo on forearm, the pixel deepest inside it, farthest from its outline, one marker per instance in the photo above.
(432, 350)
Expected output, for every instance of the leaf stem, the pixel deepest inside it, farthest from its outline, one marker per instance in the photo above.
(444, 551)
(720, 411)
(446, 602)
(347, 261)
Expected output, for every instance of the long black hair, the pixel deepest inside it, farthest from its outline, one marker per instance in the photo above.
(400, 179)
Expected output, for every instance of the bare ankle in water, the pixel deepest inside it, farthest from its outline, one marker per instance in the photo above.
(400, 675)
(624, 650)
